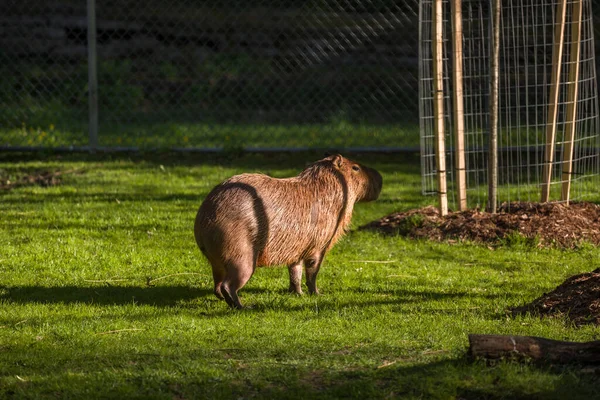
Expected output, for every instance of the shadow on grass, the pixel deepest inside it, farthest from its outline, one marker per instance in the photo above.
(175, 296)
(467, 379)
(161, 296)
(458, 378)
(352, 298)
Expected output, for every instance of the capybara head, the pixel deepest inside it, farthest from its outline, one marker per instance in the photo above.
(363, 181)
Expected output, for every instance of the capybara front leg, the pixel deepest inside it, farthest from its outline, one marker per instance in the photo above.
(295, 277)
(236, 278)
(312, 269)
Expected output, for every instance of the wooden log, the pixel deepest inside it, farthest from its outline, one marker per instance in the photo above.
(535, 348)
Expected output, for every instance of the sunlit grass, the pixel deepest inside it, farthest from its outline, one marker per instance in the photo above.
(103, 294)
(160, 135)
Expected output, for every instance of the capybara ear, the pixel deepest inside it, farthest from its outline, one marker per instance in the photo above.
(338, 160)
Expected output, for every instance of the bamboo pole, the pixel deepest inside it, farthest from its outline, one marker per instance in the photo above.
(457, 98)
(494, 90)
(557, 50)
(438, 105)
(572, 94)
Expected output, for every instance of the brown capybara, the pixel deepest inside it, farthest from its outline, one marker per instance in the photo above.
(253, 220)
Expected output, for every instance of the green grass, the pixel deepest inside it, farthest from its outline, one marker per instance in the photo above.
(103, 294)
(53, 132)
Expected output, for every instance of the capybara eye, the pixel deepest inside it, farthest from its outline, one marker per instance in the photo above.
(356, 168)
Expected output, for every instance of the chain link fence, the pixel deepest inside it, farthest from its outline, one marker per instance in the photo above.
(548, 135)
(211, 74)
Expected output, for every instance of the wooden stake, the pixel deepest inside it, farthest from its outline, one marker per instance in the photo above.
(536, 348)
(572, 94)
(457, 98)
(494, 110)
(438, 105)
(557, 50)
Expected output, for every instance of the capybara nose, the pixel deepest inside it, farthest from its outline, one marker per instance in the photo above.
(379, 183)
(375, 186)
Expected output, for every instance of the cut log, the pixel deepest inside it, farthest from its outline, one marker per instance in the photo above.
(535, 348)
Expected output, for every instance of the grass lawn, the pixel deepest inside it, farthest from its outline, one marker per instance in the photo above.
(103, 294)
(51, 132)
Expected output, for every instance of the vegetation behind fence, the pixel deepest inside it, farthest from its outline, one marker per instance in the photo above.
(212, 74)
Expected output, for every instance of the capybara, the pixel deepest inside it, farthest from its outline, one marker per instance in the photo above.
(254, 220)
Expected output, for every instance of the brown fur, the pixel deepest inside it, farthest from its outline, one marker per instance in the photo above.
(253, 220)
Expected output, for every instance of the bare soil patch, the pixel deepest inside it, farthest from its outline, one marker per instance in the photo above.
(578, 298)
(544, 225)
(42, 178)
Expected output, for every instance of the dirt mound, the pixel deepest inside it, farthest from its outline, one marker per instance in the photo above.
(545, 225)
(578, 298)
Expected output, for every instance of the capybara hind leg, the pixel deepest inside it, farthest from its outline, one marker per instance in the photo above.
(312, 269)
(295, 277)
(237, 276)
(218, 277)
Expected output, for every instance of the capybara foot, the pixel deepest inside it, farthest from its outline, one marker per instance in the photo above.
(295, 290)
(312, 285)
(218, 293)
(231, 298)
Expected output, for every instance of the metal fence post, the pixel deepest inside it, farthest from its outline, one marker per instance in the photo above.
(92, 75)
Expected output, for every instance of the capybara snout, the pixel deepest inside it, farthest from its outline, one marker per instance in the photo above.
(253, 220)
(372, 182)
